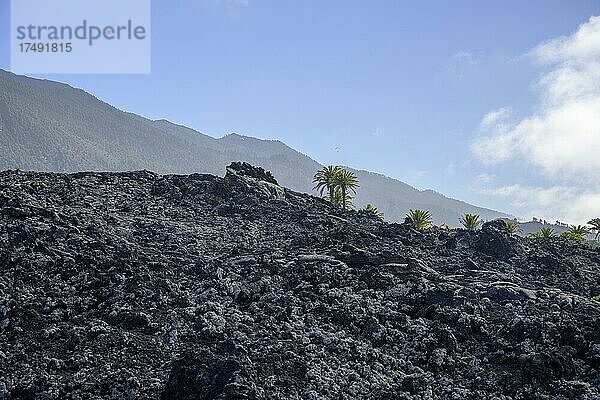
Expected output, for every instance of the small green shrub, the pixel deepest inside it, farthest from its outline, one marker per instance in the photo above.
(579, 230)
(421, 219)
(577, 233)
(470, 221)
(337, 200)
(372, 210)
(544, 233)
(573, 236)
(513, 227)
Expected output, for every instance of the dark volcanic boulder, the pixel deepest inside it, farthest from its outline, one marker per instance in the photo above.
(495, 240)
(248, 170)
(143, 286)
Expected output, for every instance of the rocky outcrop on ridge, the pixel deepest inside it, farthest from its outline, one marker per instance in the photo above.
(141, 286)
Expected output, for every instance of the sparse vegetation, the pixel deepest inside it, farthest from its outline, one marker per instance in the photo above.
(345, 181)
(595, 227)
(573, 236)
(337, 199)
(544, 233)
(576, 233)
(597, 298)
(325, 180)
(470, 221)
(338, 182)
(513, 227)
(579, 230)
(374, 211)
(421, 219)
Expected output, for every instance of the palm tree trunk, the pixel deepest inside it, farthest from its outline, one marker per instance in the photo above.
(343, 197)
(332, 193)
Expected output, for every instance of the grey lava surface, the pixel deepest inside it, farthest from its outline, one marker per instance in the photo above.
(142, 286)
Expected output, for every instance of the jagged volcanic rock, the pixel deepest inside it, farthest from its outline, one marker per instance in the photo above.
(137, 285)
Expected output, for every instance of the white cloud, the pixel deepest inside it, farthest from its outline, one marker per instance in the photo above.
(583, 44)
(562, 137)
(493, 118)
(564, 203)
(562, 141)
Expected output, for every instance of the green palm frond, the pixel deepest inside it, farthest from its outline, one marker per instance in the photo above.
(337, 199)
(576, 232)
(325, 179)
(544, 233)
(513, 227)
(595, 223)
(579, 230)
(334, 178)
(470, 221)
(573, 236)
(345, 181)
(374, 211)
(420, 219)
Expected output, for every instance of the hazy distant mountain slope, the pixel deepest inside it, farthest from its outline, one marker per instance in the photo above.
(49, 126)
(395, 198)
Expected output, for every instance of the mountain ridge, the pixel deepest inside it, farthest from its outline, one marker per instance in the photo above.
(52, 126)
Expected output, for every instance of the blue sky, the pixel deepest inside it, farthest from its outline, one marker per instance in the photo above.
(395, 87)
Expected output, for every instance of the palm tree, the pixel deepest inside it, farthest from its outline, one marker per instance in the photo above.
(374, 211)
(325, 180)
(579, 230)
(420, 219)
(513, 227)
(576, 233)
(595, 223)
(345, 181)
(470, 221)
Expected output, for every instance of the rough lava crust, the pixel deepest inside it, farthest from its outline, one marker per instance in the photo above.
(137, 285)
